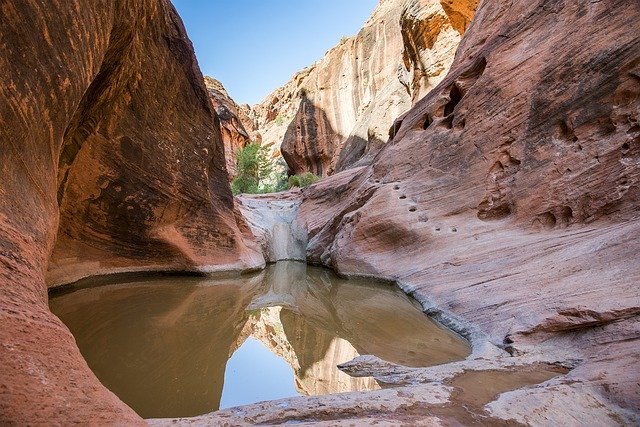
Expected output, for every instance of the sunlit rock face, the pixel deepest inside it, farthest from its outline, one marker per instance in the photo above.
(236, 127)
(510, 194)
(111, 159)
(338, 111)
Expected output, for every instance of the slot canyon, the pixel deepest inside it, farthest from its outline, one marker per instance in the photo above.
(479, 190)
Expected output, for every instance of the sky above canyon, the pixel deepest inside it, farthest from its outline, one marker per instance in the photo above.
(255, 46)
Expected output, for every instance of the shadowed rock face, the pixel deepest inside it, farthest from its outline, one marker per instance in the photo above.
(111, 159)
(336, 113)
(310, 141)
(510, 194)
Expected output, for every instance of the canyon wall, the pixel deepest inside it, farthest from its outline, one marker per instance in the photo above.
(506, 199)
(236, 126)
(509, 196)
(337, 112)
(111, 160)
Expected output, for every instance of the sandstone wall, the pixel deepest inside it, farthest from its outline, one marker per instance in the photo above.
(110, 160)
(509, 196)
(339, 110)
(236, 126)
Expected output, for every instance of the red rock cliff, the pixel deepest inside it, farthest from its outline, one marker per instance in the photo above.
(510, 194)
(110, 160)
(337, 112)
(237, 129)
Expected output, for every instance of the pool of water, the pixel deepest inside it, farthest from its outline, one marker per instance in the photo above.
(185, 346)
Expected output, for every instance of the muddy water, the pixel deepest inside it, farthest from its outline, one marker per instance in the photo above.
(184, 346)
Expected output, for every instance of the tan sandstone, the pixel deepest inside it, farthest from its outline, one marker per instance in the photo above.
(338, 111)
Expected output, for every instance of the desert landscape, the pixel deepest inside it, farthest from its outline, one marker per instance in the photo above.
(481, 157)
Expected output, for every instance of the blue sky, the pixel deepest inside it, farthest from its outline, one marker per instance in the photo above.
(255, 46)
(254, 374)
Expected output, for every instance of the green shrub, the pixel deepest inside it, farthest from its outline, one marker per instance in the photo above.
(244, 184)
(281, 182)
(257, 172)
(280, 119)
(303, 180)
(253, 167)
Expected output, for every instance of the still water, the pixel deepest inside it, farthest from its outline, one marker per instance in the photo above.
(185, 346)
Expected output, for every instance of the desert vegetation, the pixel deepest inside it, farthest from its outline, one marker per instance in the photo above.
(259, 173)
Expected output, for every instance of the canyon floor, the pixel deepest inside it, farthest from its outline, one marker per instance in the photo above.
(542, 338)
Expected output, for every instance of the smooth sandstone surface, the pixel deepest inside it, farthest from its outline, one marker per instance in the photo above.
(110, 160)
(507, 201)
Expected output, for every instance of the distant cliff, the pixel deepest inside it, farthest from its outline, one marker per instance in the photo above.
(236, 127)
(337, 112)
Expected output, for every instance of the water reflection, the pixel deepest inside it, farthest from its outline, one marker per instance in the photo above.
(162, 344)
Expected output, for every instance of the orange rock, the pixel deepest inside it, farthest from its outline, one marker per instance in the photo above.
(336, 113)
(111, 160)
(237, 129)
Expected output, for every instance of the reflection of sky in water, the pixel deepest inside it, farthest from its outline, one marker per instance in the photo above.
(162, 344)
(255, 374)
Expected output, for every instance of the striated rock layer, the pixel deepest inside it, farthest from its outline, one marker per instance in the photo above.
(338, 111)
(237, 129)
(507, 201)
(110, 160)
(509, 196)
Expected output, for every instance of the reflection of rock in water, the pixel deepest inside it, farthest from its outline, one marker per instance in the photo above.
(312, 353)
(312, 350)
(316, 321)
(162, 346)
(319, 352)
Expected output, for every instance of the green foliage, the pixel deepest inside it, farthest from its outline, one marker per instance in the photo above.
(253, 167)
(244, 184)
(257, 173)
(280, 119)
(303, 180)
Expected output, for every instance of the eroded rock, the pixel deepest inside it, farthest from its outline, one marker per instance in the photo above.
(508, 197)
(234, 122)
(111, 160)
(336, 113)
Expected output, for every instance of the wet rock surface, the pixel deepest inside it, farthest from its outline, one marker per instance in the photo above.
(273, 219)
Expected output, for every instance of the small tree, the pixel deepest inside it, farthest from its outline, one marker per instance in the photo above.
(253, 167)
(303, 180)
